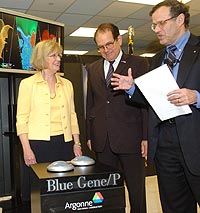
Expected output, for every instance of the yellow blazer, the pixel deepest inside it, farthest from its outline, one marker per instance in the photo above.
(33, 108)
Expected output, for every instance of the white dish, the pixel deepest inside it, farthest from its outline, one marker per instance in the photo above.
(82, 161)
(60, 166)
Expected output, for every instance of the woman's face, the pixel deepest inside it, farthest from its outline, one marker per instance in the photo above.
(53, 61)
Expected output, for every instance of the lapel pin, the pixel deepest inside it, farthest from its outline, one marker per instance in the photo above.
(123, 62)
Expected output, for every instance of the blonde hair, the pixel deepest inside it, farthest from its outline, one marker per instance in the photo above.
(41, 51)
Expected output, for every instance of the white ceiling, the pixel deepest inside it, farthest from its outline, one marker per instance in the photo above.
(91, 13)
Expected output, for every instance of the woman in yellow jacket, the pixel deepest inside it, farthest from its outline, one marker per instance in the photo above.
(46, 119)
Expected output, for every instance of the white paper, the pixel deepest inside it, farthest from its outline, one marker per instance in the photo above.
(155, 85)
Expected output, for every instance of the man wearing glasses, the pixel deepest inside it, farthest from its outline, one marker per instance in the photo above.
(174, 144)
(116, 130)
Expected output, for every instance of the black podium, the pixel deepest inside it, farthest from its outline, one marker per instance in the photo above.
(96, 188)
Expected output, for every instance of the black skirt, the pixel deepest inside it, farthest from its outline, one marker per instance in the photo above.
(53, 150)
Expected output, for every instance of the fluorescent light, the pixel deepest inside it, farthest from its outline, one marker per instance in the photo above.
(122, 32)
(185, 1)
(152, 2)
(89, 32)
(84, 32)
(147, 54)
(74, 52)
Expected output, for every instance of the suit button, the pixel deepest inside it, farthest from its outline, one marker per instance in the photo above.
(107, 102)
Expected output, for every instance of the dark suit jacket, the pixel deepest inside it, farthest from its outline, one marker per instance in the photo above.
(188, 126)
(108, 113)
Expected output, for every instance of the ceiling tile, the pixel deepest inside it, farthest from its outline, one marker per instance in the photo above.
(142, 13)
(194, 12)
(193, 4)
(120, 9)
(91, 13)
(87, 7)
(51, 5)
(73, 41)
(90, 41)
(125, 23)
(97, 20)
(13, 4)
(195, 30)
(44, 14)
(73, 19)
(195, 19)
(69, 29)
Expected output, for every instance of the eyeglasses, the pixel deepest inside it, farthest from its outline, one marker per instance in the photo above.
(161, 24)
(108, 45)
(55, 55)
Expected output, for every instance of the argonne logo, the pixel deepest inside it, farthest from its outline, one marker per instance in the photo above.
(98, 197)
(88, 204)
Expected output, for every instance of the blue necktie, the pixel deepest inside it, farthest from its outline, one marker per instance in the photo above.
(171, 57)
(110, 72)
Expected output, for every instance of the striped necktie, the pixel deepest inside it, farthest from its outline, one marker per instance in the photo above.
(110, 72)
(171, 57)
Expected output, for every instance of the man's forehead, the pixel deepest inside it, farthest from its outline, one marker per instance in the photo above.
(162, 12)
(104, 34)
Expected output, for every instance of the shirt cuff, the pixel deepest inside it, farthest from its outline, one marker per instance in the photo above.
(131, 90)
(197, 104)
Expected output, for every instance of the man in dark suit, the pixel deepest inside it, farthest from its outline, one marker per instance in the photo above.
(174, 144)
(116, 130)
